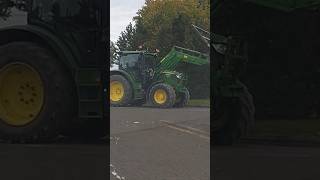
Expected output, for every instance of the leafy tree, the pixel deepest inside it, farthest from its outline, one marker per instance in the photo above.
(126, 39)
(113, 53)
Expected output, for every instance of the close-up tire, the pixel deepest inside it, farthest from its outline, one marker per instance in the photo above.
(232, 118)
(37, 94)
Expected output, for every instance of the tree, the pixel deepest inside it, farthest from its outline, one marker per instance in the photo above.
(113, 53)
(167, 23)
(126, 39)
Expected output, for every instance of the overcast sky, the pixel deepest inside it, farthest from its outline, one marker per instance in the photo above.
(121, 14)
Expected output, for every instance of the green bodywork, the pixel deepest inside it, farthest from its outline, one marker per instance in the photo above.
(163, 71)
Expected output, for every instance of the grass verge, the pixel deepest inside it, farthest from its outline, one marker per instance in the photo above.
(199, 102)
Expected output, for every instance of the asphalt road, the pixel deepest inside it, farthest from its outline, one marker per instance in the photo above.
(265, 162)
(160, 144)
(67, 160)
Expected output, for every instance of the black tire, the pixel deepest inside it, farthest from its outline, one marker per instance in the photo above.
(183, 99)
(170, 93)
(59, 102)
(127, 97)
(236, 117)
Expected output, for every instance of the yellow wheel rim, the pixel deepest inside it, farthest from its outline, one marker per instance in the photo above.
(160, 96)
(116, 91)
(21, 94)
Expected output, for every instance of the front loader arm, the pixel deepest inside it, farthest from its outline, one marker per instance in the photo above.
(179, 54)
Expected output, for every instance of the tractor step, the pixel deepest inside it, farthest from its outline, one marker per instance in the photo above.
(90, 93)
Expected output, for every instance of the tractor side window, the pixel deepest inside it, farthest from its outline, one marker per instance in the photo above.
(150, 61)
(76, 12)
(129, 61)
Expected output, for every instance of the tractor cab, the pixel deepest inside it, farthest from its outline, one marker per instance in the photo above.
(139, 64)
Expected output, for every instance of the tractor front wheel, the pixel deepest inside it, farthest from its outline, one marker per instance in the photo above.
(232, 118)
(162, 95)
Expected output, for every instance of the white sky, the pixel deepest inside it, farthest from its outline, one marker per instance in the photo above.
(121, 14)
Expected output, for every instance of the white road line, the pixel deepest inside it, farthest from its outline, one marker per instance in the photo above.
(115, 174)
(188, 130)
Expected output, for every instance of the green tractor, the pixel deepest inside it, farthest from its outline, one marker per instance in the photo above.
(52, 70)
(232, 103)
(139, 78)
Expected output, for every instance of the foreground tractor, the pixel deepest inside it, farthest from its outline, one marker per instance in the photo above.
(283, 51)
(52, 70)
(139, 78)
(232, 107)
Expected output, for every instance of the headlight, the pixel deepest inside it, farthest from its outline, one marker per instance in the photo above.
(220, 48)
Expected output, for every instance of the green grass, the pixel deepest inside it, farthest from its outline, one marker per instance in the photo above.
(199, 102)
(288, 128)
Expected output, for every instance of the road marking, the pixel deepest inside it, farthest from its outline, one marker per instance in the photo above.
(115, 174)
(188, 130)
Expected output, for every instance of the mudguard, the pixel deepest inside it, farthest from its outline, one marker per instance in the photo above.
(44, 37)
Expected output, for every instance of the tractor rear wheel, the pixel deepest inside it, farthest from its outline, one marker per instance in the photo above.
(183, 99)
(120, 91)
(162, 95)
(36, 93)
(232, 118)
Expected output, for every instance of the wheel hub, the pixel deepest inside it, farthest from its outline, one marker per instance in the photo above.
(116, 91)
(21, 94)
(160, 96)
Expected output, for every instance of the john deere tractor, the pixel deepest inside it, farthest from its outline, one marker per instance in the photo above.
(139, 78)
(52, 70)
(232, 103)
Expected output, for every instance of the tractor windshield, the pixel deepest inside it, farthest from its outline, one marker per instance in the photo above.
(128, 61)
